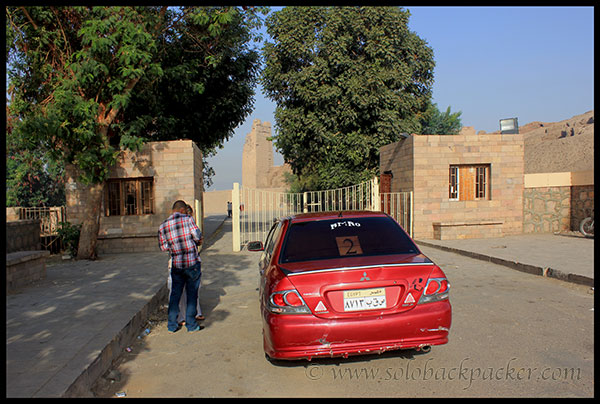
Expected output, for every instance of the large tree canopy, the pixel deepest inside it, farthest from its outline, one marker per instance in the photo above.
(89, 82)
(345, 80)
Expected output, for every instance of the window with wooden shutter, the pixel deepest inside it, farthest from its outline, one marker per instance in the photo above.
(129, 196)
(469, 182)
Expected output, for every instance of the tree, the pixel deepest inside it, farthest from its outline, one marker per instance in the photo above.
(31, 179)
(434, 122)
(345, 80)
(89, 82)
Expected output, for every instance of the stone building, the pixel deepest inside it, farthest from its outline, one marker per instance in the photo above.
(464, 186)
(139, 194)
(258, 171)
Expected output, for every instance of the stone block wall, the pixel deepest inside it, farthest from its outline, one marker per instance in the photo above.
(398, 158)
(23, 235)
(582, 204)
(458, 230)
(24, 268)
(421, 164)
(176, 169)
(215, 202)
(12, 214)
(546, 209)
(557, 202)
(25, 261)
(258, 171)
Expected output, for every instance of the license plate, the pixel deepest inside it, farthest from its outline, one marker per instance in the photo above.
(364, 299)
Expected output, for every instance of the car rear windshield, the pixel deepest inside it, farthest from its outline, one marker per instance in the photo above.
(345, 237)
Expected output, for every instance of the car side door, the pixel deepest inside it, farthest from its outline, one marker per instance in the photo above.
(265, 258)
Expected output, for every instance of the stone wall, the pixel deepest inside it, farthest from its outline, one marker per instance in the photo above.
(25, 261)
(215, 202)
(582, 204)
(420, 163)
(557, 202)
(23, 235)
(546, 209)
(258, 171)
(24, 268)
(12, 214)
(176, 169)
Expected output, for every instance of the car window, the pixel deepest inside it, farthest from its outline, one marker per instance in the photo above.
(345, 237)
(270, 241)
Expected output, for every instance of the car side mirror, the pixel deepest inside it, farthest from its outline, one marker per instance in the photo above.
(255, 246)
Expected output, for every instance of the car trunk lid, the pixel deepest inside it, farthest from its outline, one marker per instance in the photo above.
(386, 285)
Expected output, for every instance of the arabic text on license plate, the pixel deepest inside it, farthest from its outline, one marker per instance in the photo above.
(364, 299)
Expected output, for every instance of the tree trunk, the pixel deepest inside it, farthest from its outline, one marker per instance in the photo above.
(91, 223)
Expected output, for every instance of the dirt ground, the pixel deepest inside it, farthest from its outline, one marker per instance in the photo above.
(520, 350)
(559, 146)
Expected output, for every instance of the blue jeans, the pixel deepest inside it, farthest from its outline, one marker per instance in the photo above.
(190, 277)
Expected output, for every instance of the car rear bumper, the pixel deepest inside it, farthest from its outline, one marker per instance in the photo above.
(307, 336)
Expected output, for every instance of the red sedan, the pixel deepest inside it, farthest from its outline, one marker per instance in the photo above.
(349, 283)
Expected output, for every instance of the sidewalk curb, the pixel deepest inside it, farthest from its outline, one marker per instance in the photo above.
(83, 384)
(519, 266)
(81, 387)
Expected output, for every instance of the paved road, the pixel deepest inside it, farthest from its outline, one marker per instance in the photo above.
(513, 335)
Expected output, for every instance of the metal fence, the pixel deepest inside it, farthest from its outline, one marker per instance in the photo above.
(50, 218)
(257, 209)
(399, 205)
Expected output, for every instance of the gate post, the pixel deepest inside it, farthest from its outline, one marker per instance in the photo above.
(305, 202)
(375, 196)
(235, 225)
(199, 216)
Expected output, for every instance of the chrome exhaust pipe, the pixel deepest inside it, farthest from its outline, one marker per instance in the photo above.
(426, 348)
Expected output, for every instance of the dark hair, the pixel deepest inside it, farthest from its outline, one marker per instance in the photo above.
(189, 210)
(179, 205)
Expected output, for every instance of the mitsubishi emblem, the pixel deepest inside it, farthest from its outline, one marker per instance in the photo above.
(365, 277)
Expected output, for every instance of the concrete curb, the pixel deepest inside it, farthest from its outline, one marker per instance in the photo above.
(519, 266)
(82, 386)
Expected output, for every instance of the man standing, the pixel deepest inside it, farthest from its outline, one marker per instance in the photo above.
(180, 235)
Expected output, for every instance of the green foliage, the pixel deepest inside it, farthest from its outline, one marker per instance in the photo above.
(72, 73)
(346, 80)
(201, 99)
(434, 122)
(31, 178)
(88, 82)
(69, 235)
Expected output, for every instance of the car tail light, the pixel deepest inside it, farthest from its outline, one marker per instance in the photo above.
(287, 302)
(432, 287)
(436, 289)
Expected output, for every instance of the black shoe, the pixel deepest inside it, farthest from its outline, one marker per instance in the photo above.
(197, 328)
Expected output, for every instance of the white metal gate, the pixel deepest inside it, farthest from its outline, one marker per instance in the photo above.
(254, 210)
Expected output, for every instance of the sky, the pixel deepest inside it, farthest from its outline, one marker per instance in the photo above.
(529, 63)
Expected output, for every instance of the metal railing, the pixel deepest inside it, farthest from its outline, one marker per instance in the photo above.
(50, 218)
(399, 205)
(257, 209)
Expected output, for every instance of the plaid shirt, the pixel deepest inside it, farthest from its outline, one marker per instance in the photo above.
(177, 235)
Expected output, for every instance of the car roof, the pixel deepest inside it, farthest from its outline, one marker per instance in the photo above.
(335, 215)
